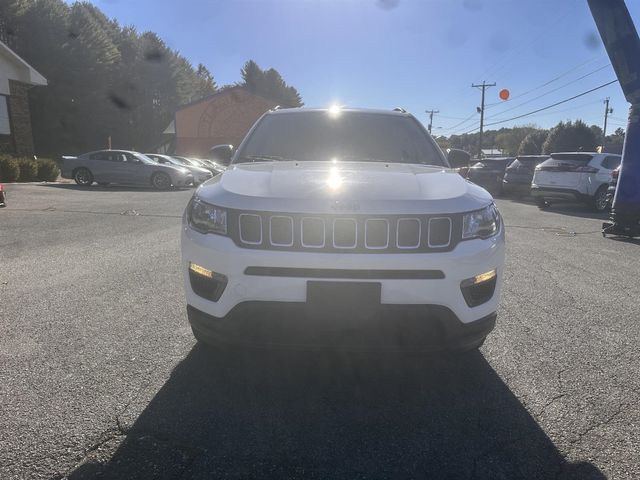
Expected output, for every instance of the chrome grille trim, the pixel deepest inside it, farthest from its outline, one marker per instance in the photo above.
(324, 232)
(248, 242)
(438, 245)
(410, 247)
(366, 226)
(355, 229)
(290, 219)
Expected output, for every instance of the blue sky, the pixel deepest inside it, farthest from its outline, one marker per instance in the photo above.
(418, 54)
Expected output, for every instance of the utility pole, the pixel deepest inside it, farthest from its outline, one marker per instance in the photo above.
(431, 112)
(607, 111)
(483, 86)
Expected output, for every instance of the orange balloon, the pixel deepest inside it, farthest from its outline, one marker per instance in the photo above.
(504, 94)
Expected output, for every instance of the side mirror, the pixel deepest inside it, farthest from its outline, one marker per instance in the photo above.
(221, 153)
(458, 158)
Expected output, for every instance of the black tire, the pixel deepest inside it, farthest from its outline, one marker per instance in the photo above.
(600, 202)
(83, 177)
(161, 181)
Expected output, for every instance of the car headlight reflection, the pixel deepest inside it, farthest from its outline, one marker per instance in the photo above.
(483, 223)
(206, 218)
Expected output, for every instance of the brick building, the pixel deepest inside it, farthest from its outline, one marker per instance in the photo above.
(224, 117)
(16, 78)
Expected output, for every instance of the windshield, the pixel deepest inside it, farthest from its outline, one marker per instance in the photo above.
(357, 136)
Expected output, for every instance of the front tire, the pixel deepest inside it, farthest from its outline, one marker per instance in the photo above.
(161, 181)
(83, 177)
(599, 202)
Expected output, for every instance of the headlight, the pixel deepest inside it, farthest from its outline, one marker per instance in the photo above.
(206, 218)
(481, 224)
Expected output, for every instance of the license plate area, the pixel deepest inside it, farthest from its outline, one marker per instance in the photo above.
(343, 295)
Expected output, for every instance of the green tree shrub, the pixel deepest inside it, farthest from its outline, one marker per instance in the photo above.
(48, 170)
(9, 169)
(570, 137)
(28, 170)
(532, 143)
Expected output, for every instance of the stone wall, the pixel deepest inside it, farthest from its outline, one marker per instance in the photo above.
(20, 118)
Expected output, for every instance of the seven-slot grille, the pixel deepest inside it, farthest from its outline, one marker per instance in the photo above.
(345, 233)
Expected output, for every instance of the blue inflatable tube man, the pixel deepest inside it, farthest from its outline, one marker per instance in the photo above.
(620, 38)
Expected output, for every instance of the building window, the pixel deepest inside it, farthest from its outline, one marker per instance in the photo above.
(5, 124)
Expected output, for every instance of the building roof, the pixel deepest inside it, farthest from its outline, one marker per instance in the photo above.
(223, 91)
(28, 73)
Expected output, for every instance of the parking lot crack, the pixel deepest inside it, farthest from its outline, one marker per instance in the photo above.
(597, 425)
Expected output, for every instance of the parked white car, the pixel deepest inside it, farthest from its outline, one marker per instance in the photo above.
(353, 222)
(575, 176)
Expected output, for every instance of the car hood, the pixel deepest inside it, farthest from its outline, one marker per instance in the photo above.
(344, 187)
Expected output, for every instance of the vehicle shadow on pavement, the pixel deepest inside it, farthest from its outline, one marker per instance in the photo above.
(256, 414)
(112, 188)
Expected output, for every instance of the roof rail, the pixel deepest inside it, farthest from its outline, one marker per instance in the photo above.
(399, 109)
(277, 107)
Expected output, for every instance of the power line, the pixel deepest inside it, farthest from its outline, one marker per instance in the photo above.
(548, 106)
(464, 121)
(549, 82)
(550, 91)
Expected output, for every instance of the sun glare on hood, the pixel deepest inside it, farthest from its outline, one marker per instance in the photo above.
(334, 180)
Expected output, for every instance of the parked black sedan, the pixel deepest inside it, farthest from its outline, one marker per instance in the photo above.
(519, 174)
(489, 172)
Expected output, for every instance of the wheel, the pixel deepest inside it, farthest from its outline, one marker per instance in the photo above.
(599, 202)
(83, 177)
(542, 203)
(103, 184)
(161, 181)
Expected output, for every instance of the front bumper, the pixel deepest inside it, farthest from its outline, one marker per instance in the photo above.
(405, 328)
(220, 254)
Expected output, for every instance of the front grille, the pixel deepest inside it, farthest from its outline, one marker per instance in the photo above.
(345, 233)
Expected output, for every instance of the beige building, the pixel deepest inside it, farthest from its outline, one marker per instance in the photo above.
(224, 117)
(16, 78)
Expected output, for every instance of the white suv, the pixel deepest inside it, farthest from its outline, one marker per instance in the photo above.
(342, 228)
(575, 176)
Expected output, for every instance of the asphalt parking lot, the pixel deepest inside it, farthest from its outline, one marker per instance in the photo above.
(101, 378)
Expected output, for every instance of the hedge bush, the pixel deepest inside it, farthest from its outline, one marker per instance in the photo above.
(28, 170)
(9, 169)
(48, 170)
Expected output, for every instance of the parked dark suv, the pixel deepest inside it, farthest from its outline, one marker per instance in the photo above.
(489, 172)
(518, 175)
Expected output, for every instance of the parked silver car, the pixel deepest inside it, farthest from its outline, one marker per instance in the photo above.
(200, 174)
(124, 167)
